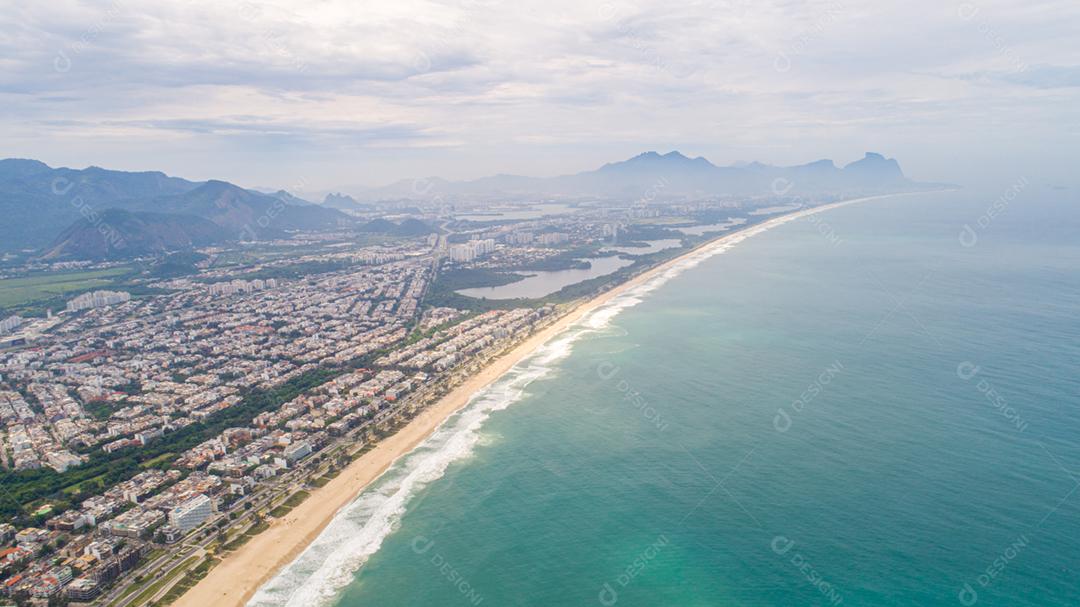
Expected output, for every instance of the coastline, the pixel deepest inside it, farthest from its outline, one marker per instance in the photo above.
(234, 580)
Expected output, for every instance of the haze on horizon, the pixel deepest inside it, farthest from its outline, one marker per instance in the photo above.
(313, 96)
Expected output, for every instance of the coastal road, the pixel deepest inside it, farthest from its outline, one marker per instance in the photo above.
(283, 486)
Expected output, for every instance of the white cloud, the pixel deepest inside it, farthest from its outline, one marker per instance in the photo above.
(348, 92)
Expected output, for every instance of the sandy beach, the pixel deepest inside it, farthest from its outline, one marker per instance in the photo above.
(233, 581)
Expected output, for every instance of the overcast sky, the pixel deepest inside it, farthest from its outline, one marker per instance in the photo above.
(317, 94)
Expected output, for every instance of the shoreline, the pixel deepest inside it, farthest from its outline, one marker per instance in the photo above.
(233, 581)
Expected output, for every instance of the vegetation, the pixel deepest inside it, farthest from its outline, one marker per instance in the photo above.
(23, 489)
(640, 232)
(462, 278)
(570, 259)
(162, 461)
(99, 409)
(293, 501)
(255, 529)
(159, 583)
(15, 293)
(177, 264)
(191, 578)
(295, 270)
(440, 297)
(443, 291)
(39, 307)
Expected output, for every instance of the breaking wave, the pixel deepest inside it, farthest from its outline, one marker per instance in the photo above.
(322, 571)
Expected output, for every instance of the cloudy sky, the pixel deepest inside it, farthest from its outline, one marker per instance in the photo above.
(318, 94)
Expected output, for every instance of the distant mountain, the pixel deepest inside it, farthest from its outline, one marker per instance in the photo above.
(93, 184)
(250, 215)
(344, 202)
(20, 168)
(875, 169)
(116, 234)
(39, 202)
(652, 175)
(288, 198)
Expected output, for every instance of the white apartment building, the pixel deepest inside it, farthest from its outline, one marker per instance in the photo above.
(97, 299)
(191, 513)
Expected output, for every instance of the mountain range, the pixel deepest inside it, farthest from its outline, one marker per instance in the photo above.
(116, 234)
(344, 202)
(652, 174)
(63, 213)
(43, 206)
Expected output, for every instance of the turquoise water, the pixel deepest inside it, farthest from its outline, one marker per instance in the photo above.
(853, 409)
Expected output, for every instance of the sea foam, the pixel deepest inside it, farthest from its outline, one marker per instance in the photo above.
(322, 571)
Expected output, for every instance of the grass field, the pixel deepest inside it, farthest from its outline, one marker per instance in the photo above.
(293, 501)
(95, 482)
(191, 578)
(249, 533)
(164, 457)
(19, 291)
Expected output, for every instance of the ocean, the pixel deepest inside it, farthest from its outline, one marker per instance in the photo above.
(874, 405)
